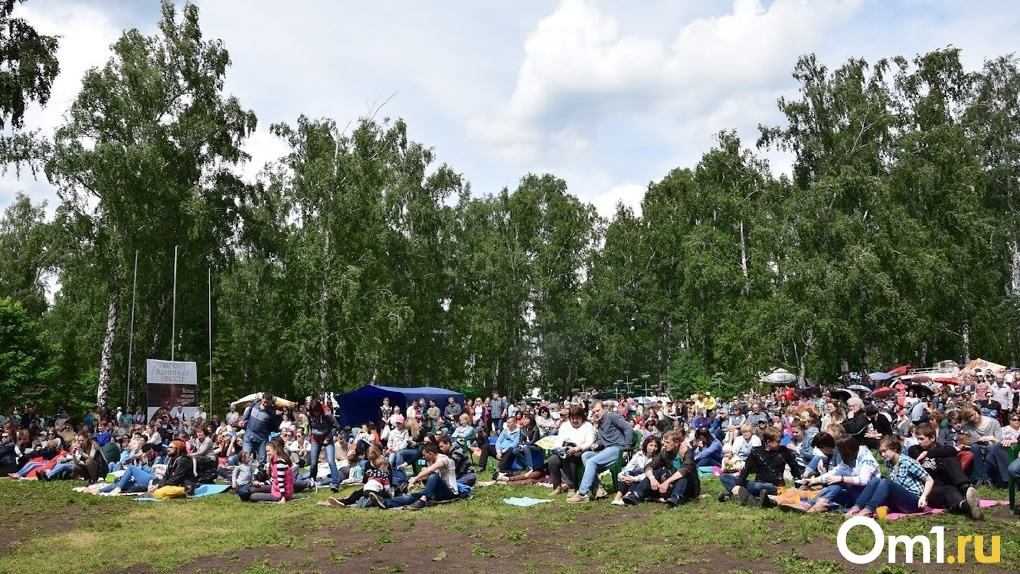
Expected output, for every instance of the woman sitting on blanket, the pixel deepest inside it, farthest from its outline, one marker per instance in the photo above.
(634, 472)
(844, 484)
(136, 477)
(905, 490)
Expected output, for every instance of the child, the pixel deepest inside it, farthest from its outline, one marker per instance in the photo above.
(242, 476)
(730, 462)
(377, 478)
(281, 476)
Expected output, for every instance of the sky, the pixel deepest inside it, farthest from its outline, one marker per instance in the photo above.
(605, 95)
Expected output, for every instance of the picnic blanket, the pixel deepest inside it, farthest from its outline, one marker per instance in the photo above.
(524, 501)
(202, 490)
(929, 510)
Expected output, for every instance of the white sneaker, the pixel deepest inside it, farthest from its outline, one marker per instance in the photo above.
(617, 502)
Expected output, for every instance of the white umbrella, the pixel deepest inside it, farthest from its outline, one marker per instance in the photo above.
(779, 377)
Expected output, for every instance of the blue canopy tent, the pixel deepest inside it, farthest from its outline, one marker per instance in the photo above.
(361, 406)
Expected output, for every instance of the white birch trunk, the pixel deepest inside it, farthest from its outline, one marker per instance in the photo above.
(1014, 275)
(106, 359)
(324, 326)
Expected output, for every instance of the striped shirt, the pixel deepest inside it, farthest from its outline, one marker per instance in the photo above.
(909, 474)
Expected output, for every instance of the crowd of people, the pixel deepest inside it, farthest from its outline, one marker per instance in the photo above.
(936, 449)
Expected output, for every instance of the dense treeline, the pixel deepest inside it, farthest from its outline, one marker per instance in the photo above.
(360, 257)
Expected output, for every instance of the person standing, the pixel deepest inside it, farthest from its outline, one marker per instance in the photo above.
(497, 409)
(323, 429)
(259, 420)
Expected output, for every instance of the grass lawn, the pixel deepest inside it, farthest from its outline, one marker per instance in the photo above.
(46, 527)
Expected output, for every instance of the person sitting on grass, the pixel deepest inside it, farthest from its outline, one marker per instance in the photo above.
(905, 490)
(952, 490)
(280, 487)
(439, 477)
(671, 474)
(374, 460)
(136, 477)
(768, 463)
(242, 476)
(709, 449)
(745, 442)
(87, 460)
(952, 436)
(178, 474)
(461, 461)
(844, 484)
(42, 461)
(634, 472)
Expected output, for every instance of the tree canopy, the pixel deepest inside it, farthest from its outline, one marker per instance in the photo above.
(360, 257)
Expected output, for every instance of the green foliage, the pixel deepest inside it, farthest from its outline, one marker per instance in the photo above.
(359, 256)
(687, 374)
(25, 355)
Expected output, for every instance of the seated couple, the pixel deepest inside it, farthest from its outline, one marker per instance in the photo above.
(670, 474)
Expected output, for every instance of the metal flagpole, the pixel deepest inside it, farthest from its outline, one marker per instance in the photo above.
(131, 335)
(173, 320)
(210, 341)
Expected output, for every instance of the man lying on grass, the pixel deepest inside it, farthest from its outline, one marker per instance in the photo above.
(440, 478)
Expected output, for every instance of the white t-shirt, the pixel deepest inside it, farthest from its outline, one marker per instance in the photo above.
(448, 473)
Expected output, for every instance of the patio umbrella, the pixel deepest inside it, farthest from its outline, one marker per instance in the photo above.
(842, 394)
(921, 390)
(882, 392)
(878, 377)
(860, 388)
(779, 377)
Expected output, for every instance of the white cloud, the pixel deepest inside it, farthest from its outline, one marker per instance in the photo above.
(630, 194)
(580, 70)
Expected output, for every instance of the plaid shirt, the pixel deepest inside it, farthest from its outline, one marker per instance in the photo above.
(909, 474)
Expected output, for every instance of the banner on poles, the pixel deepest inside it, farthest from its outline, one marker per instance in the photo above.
(172, 385)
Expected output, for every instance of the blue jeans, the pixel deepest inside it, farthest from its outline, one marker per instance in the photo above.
(526, 457)
(709, 461)
(595, 462)
(643, 489)
(59, 469)
(753, 487)
(408, 455)
(133, 476)
(1014, 471)
(255, 446)
(884, 492)
(334, 475)
(435, 489)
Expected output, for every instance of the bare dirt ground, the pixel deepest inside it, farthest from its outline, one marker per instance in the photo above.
(426, 547)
